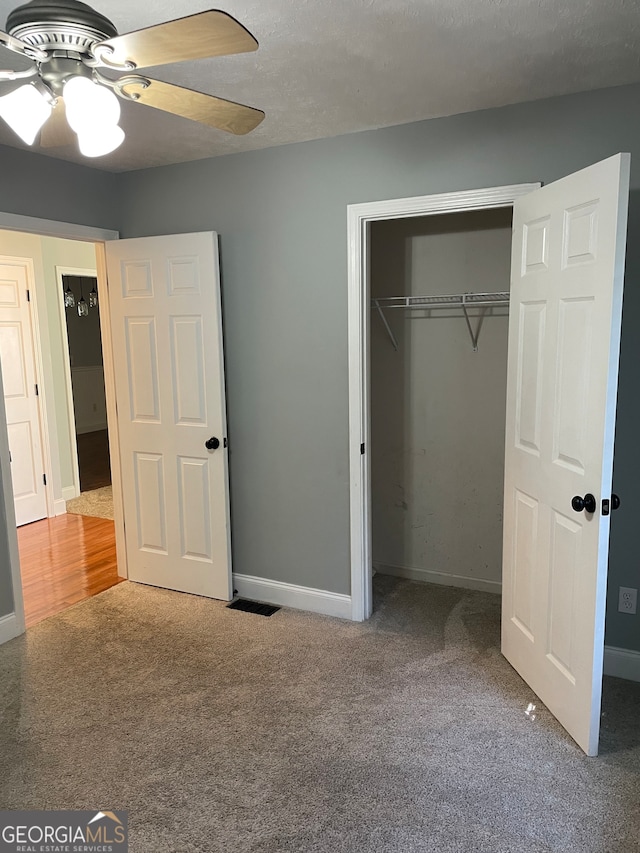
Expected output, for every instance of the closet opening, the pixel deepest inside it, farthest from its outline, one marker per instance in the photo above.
(439, 297)
(426, 474)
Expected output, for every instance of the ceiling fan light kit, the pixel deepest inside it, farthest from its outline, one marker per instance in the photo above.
(69, 43)
(93, 112)
(25, 110)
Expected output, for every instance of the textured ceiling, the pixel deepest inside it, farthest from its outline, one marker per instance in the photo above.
(328, 67)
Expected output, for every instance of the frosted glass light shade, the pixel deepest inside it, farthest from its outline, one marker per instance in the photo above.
(25, 110)
(99, 140)
(93, 112)
(89, 104)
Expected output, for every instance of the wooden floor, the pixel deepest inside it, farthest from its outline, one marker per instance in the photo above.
(93, 460)
(64, 560)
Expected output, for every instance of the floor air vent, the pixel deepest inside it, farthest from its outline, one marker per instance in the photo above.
(253, 607)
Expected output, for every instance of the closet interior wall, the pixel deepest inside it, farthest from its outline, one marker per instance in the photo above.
(438, 407)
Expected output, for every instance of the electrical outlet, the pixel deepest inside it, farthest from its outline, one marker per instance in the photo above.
(627, 599)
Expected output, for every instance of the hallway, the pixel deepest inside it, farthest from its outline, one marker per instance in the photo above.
(93, 460)
(63, 561)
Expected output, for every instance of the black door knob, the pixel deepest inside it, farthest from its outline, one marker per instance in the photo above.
(212, 443)
(587, 503)
(615, 502)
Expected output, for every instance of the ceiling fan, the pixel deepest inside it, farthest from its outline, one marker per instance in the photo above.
(66, 89)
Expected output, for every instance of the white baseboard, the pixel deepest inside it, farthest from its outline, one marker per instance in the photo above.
(69, 493)
(427, 576)
(9, 627)
(59, 507)
(623, 663)
(290, 595)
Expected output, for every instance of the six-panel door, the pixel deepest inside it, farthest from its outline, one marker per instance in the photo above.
(564, 336)
(164, 296)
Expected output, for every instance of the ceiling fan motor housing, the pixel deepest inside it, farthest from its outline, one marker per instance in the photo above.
(64, 25)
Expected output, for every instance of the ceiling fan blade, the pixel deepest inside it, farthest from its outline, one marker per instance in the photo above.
(21, 47)
(56, 133)
(209, 33)
(206, 109)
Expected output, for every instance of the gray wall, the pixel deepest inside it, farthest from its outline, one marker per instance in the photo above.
(34, 185)
(6, 584)
(6, 592)
(38, 186)
(281, 214)
(623, 630)
(438, 407)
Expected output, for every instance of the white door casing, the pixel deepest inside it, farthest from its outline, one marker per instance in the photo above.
(359, 219)
(164, 295)
(564, 338)
(17, 356)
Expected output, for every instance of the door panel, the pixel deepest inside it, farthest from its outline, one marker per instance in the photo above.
(21, 401)
(564, 337)
(142, 368)
(167, 342)
(150, 501)
(195, 507)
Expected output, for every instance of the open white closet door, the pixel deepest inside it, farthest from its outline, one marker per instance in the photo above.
(164, 295)
(564, 337)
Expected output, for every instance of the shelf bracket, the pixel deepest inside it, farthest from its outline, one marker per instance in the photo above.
(392, 337)
(473, 335)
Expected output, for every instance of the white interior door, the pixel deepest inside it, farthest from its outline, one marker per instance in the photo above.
(20, 392)
(564, 337)
(164, 295)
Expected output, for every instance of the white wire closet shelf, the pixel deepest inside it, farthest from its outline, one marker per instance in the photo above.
(483, 301)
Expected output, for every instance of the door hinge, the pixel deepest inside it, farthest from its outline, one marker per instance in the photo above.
(44, 479)
(362, 449)
(28, 296)
(37, 392)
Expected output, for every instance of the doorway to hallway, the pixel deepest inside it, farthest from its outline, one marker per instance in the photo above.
(65, 560)
(66, 553)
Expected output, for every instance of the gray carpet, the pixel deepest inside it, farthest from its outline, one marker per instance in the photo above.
(224, 731)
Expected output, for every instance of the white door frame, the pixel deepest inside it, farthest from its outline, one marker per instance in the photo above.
(359, 218)
(61, 271)
(89, 234)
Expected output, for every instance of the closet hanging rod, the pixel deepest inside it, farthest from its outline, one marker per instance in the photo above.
(484, 301)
